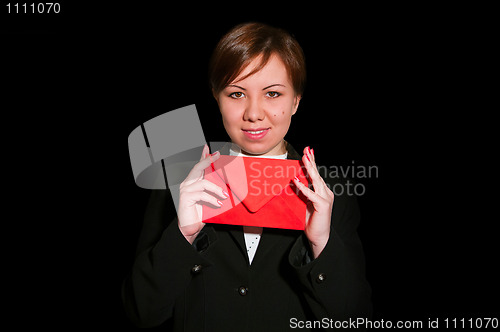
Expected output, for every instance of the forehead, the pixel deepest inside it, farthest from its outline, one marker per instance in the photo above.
(274, 70)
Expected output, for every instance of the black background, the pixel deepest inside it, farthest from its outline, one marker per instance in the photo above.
(406, 89)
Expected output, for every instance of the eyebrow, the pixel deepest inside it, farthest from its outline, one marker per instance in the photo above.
(267, 87)
(277, 84)
(237, 86)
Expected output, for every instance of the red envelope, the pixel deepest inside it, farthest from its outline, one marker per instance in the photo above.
(261, 192)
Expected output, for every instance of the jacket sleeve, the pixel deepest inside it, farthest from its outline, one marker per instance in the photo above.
(163, 266)
(334, 283)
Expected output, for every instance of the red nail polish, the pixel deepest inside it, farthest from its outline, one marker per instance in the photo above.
(296, 178)
(225, 193)
(312, 152)
(220, 203)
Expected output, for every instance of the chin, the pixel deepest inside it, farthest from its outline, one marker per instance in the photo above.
(251, 150)
(255, 149)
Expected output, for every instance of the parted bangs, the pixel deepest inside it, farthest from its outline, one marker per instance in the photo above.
(244, 43)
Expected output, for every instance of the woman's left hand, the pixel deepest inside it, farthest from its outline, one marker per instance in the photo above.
(319, 207)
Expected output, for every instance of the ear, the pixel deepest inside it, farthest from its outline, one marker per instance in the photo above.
(296, 103)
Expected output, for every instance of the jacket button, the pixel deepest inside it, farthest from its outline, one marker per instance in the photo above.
(321, 277)
(243, 290)
(196, 269)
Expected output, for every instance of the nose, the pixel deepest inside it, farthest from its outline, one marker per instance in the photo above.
(253, 111)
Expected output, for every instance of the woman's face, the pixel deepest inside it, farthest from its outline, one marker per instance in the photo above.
(257, 111)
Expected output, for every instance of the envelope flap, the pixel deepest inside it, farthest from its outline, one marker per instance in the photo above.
(268, 179)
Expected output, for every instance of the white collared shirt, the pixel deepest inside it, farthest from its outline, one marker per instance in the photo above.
(252, 234)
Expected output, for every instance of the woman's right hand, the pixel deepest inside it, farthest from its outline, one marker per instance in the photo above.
(194, 191)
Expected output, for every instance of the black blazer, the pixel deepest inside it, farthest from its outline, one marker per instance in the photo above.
(210, 286)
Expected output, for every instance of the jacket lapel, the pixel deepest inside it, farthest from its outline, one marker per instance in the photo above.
(237, 234)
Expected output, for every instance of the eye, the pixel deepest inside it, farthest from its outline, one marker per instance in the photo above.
(237, 95)
(273, 94)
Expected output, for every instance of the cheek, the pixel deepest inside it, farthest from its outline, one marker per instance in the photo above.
(230, 116)
(281, 121)
(281, 112)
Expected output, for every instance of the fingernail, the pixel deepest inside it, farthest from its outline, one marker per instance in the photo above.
(312, 151)
(308, 149)
(308, 157)
(215, 153)
(296, 178)
(225, 193)
(220, 203)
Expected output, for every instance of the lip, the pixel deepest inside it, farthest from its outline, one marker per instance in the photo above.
(256, 136)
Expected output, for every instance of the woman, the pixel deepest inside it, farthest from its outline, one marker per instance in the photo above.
(210, 277)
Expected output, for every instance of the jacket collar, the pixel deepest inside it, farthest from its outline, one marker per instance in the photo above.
(292, 154)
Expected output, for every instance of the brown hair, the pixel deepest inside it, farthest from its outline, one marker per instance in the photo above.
(244, 43)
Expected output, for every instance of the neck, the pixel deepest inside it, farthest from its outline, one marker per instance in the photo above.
(279, 149)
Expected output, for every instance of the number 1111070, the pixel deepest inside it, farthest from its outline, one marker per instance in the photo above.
(34, 8)
(473, 323)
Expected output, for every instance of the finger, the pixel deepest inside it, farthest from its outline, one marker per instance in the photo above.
(316, 180)
(197, 171)
(319, 184)
(207, 186)
(205, 152)
(201, 196)
(204, 163)
(311, 195)
(308, 154)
